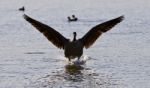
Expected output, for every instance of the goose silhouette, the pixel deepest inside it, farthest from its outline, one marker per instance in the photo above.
(73, 49)
(22, 9)
(72, 19)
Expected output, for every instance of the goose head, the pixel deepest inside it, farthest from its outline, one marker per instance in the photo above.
(73, 16)
(74, 36)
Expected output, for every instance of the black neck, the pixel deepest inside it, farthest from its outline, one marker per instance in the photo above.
(74, 36)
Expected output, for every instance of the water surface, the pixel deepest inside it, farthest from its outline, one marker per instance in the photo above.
(119, 59)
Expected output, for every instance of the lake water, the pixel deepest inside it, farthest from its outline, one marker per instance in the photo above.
(119, 58)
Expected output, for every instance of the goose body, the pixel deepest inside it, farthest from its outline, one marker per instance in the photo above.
(74, 48)
(22, 9)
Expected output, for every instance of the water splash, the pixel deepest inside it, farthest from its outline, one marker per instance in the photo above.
(82, 60)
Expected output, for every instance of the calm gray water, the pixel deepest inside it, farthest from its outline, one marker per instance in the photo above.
(119, 59)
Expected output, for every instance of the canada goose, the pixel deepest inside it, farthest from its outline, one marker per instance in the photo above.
(22, 9)
(74, 48)
(73, 18)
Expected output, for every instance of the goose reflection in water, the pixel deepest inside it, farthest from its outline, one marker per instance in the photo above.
(74, 72)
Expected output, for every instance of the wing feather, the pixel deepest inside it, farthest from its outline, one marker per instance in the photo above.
(91, 36)
(52, 35)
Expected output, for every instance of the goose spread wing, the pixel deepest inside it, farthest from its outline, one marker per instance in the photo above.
(52, 35)
(90, 37)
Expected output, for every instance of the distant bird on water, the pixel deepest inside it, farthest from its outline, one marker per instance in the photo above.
(72, 19)
(73, 49)
(22, 9)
